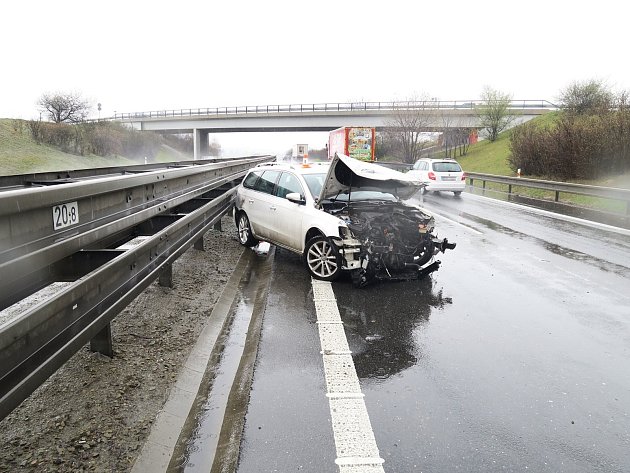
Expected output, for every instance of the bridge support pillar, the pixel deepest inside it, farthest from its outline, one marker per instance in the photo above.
(102, 342)
(166, 276)
(200, 143)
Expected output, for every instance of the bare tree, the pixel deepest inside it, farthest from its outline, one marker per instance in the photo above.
(64, 107)
(494, 112)
(406, 127)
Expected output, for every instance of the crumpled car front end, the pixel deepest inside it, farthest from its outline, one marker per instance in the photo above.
(396, 242)
(386, 239)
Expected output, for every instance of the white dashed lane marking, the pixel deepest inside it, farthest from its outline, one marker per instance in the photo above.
(352, 431)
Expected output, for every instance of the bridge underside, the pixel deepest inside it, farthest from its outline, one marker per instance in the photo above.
(202, 125)
(274, 129)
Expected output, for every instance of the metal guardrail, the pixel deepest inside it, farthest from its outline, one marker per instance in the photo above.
(40, 226)
(64, 176)
(40, 340)
(611, 193)
(330, 107)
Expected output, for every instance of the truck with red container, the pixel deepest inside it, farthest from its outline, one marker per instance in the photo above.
(358, 142)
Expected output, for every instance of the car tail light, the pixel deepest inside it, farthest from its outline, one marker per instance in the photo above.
(432, 175)
(464, 176)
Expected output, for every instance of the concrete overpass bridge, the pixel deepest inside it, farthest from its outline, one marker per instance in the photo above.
(201, 122)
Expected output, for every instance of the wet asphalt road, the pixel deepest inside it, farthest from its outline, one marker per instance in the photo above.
(514, 356)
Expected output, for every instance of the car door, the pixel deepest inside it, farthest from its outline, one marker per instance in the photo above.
(257, 204)
(288, 215)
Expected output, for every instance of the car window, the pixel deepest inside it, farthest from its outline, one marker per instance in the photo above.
(288, 183)
(314, 183)
(251, 178)
(421, 166)
(446, 166)
(267, 181)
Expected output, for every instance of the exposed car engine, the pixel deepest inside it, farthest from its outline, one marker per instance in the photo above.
(396, 240)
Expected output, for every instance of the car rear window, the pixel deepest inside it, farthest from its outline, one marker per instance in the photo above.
(251, 178)
(447, 166)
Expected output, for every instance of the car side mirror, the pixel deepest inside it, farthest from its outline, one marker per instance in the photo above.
(296, 198)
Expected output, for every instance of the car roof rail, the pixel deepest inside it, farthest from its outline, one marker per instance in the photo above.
(291, 165)
(285, 165)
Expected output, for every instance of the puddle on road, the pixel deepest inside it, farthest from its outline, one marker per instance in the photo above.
(200, 447)
(552, 247)
(380, 325)
(197, 445)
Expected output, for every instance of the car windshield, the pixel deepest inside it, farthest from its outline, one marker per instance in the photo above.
(446, 166)
(315, 183)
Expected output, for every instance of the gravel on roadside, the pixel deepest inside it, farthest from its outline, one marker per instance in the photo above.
(95, 413)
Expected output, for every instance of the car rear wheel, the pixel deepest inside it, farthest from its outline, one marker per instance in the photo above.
(457, 192)
(322, 259)
(245, 231)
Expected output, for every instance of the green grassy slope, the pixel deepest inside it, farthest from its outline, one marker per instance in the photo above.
(488, 158)
(492, 158)
(20, 154)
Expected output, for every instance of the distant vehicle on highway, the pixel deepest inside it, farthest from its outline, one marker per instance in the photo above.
(439, 175)
(357, 142)
(346, 216)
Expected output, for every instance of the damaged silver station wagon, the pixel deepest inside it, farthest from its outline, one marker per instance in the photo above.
(344, 216)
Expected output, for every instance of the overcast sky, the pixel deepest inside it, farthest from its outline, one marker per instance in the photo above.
(136, 55)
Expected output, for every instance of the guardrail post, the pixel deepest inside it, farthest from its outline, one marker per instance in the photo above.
(199, 245)
(166, 276)
(509, 188)
(217, 226)
(557, 197)
(102, 342)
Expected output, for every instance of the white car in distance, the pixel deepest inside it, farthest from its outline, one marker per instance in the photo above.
(439, 175)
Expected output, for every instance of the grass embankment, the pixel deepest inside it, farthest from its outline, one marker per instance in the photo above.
(492, 158)
(21, 154)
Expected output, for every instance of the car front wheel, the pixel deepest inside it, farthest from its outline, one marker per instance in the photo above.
(245, 231)
(322, 259)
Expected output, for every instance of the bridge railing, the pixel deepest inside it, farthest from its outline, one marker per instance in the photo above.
(330, 107)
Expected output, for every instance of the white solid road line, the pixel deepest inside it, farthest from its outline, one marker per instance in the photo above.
(357, 451)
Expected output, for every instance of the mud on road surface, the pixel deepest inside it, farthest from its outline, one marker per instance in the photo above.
(95, 413)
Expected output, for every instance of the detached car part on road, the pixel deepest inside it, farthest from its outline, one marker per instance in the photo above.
(344, 216)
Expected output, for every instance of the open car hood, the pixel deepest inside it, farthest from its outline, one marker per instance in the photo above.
(348, 174)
